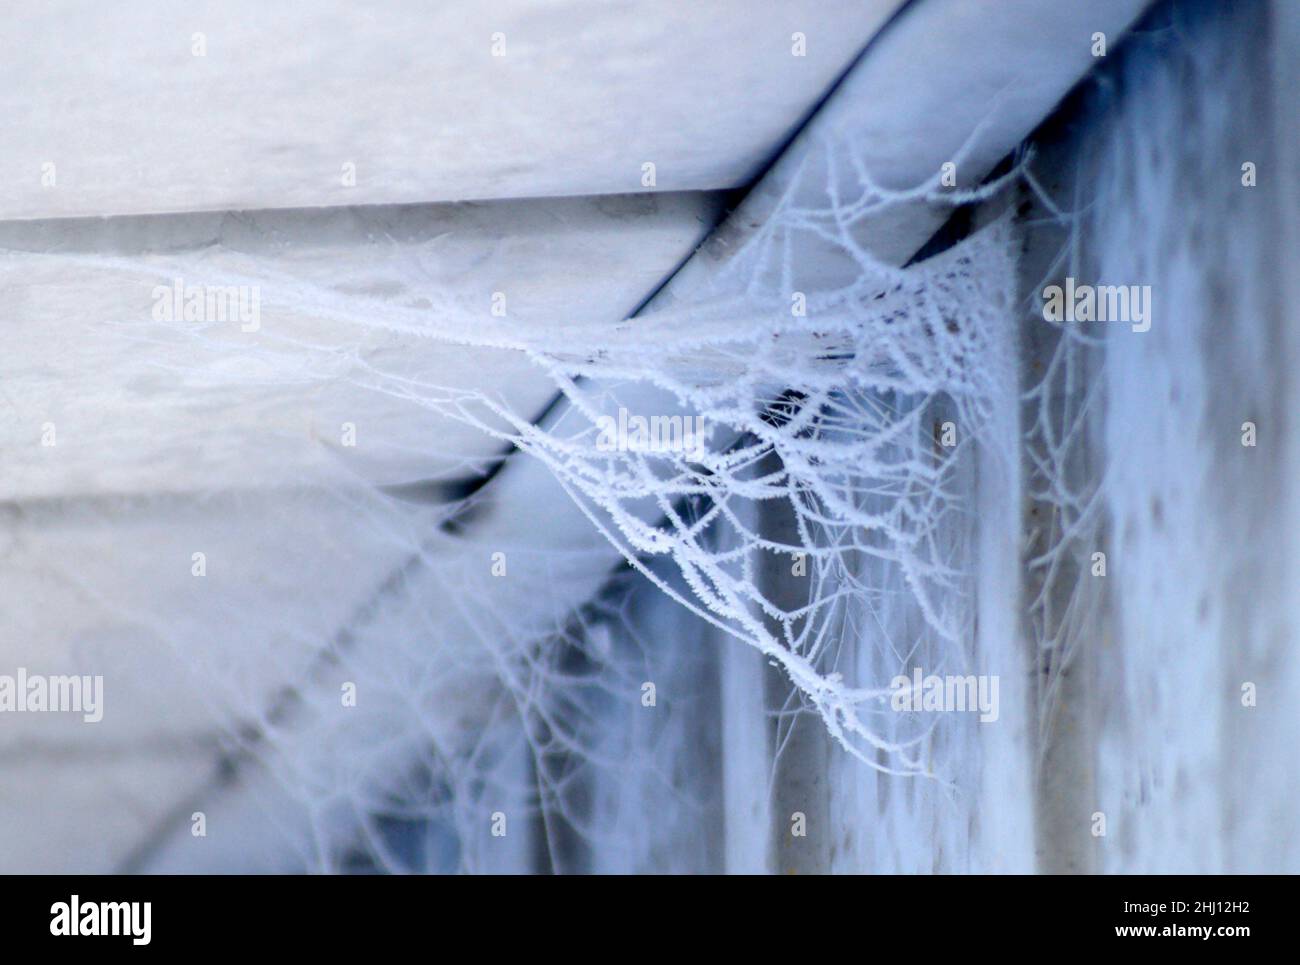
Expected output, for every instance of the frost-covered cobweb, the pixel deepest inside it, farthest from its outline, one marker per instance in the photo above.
(839, 397)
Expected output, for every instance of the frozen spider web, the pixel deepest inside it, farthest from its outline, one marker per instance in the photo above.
(838, 399)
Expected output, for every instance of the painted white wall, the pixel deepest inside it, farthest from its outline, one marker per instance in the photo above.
(409, 93)
(138, 407)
